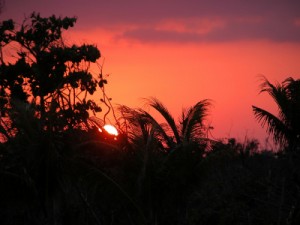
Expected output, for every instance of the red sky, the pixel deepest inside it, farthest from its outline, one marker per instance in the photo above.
(183, 51)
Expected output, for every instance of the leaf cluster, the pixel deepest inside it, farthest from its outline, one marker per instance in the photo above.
(46, 73)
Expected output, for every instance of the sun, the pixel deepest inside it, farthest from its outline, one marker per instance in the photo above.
(111, 129)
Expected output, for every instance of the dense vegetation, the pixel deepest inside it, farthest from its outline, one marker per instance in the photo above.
(57, 168)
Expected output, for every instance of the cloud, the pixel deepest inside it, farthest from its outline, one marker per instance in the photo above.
(238, 29)
(178, 20)
(201, 20)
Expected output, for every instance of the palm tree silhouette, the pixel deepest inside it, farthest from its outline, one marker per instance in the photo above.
(168, 153)
(189, 129)
(285, 128)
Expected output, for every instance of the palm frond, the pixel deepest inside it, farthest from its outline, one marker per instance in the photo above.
(192, 124)
(141, 124)
(158, 106)
(280, 96)
(293, 94)
(132, 123)
(275, 126)
(161, 129)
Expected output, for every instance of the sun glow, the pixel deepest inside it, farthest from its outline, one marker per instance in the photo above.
(111, 129)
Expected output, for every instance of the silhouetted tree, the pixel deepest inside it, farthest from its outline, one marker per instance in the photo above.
(285, 127)
(46, 73)
(189, 129)
(168, 153)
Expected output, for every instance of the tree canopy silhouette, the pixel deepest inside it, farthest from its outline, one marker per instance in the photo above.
(42, 70)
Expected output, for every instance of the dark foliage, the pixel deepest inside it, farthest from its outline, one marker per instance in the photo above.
(46, 73)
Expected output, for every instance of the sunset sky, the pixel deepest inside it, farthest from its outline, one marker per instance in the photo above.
(183, 51)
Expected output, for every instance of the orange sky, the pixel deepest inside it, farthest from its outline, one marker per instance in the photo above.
(182, 75)
(185, 51)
